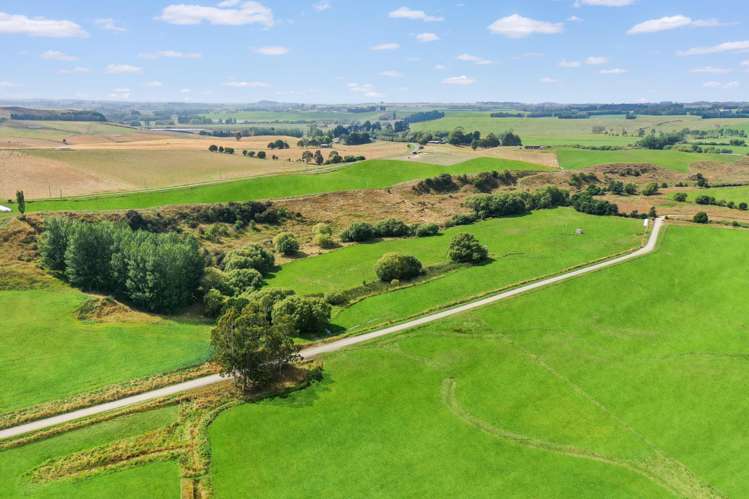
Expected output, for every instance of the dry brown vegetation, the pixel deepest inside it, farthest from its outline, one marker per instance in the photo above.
(446, 154)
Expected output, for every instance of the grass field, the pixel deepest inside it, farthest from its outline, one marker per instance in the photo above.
(739, 194)
(157, 480)
(521, 248)
(571, 159)
(371, 174)
(276, 117)
(624, 383)
(553, 131)
(53, 132)
(49, 354)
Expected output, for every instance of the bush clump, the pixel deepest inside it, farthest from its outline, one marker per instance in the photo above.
(392, 227)
(701, 218)
(680, 197)
(426, 230)
(285, 243)
(465, 248)
(396, 266)
(243, 280)
(252, 257)
(358, 232)
(306, 316)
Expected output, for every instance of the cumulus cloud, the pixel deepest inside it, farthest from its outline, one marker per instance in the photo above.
(56, 55)
(417, 15)
(228, 13)
(115, 69)
(461, 80)
(322, 6)
(474, 59)
(516, 26)
(574, 19)
(171, 54)
(39, 27)
(271, 50)
(710, 70)
(596, 60)
(671, 22)
(427, 37)
(439, 67)
(385, 46)
(365, 89)
(604, 3)
(613, 71)
(721, 85)
(564, 63)
(741, 46)
(108, 24)
(246, 84)
(391, 73)
(75, 70)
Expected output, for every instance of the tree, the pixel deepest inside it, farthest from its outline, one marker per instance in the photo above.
(510, 139)
(465, 248)
(21, 202)
(701, 218)
(319, 158)
(307, 156)
(243, 280)
(53, 243)
(251, 257)
(88, 255)
(392, 266)
(652, 213)
(630, 189)
(306, 316)
(260, 154)
(426, 230)
(213, 148)
(358, 232)
(392, 227)
(213, 303)
(248, 346)
(285, 243)
(650, 189)
(680, 197)
(743, 206)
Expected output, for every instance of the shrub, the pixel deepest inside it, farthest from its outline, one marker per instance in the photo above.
(630, 189)
(336, 298)
(358, 232)
(396, 266)
(585, 203)
(465, 248)
(392, 227)
(650, 189)
(461, 219)
(251, 257)
(700, 218)
(285, 243)
(306, 316)
(743, 206)
(324, 241)
(426, 230)
(243, 280)
(680, 197)
(213, 303)
(214, 278)
(704, 199)
(322, 228)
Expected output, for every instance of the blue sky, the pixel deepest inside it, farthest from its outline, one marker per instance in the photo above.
(336, 51)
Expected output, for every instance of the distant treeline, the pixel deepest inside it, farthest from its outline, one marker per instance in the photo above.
(577, 111)
(59, 116)
(424, 116)
(254, 131)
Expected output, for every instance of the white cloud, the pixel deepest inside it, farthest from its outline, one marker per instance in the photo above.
(564, 63)
(718, 84)
(596, 60)
(223, 15)
(671, 22)
(385, 46)
(574, 19)
(75, 70)
(322, 6)
(185, 91)
(548, 79)
(246, 84)
(116, 69)
(745, 63)
(109, 24)
(613, 71)
(392, 73)
(439, 67)
(462, 80)
(172, 54)
(604, 3)
(741, 46)
(427, 37)
(39, 26)
(474, 59)
(154, 84)
(365, 89)
(529, 55)
(516, 26)
(120, 93)
(417, 15)
(711, 70)
(271, 50)
(56, 55)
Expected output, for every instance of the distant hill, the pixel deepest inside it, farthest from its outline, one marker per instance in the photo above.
(22, 113)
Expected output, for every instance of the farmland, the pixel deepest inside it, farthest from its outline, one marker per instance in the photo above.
(370, 174)
(573, 159)
(574, 383)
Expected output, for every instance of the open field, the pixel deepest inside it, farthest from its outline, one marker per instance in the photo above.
(579, 384)
(739, 194)
(55, 355)
(157, 480)
(370, 174)
(446, 154)
(28, 134)
(521, 248)
(553, 131)
(571, 159)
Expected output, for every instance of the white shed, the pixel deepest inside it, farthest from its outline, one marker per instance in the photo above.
(4, 209)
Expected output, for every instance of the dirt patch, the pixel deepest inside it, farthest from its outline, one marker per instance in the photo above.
(445, 154)
(107, 309)
(723, 173)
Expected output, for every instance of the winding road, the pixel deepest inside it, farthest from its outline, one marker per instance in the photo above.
(312, 352)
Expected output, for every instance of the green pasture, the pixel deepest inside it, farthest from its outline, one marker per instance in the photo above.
(628, 382)
(572, 159)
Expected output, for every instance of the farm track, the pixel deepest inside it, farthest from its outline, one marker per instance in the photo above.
(315, 351)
